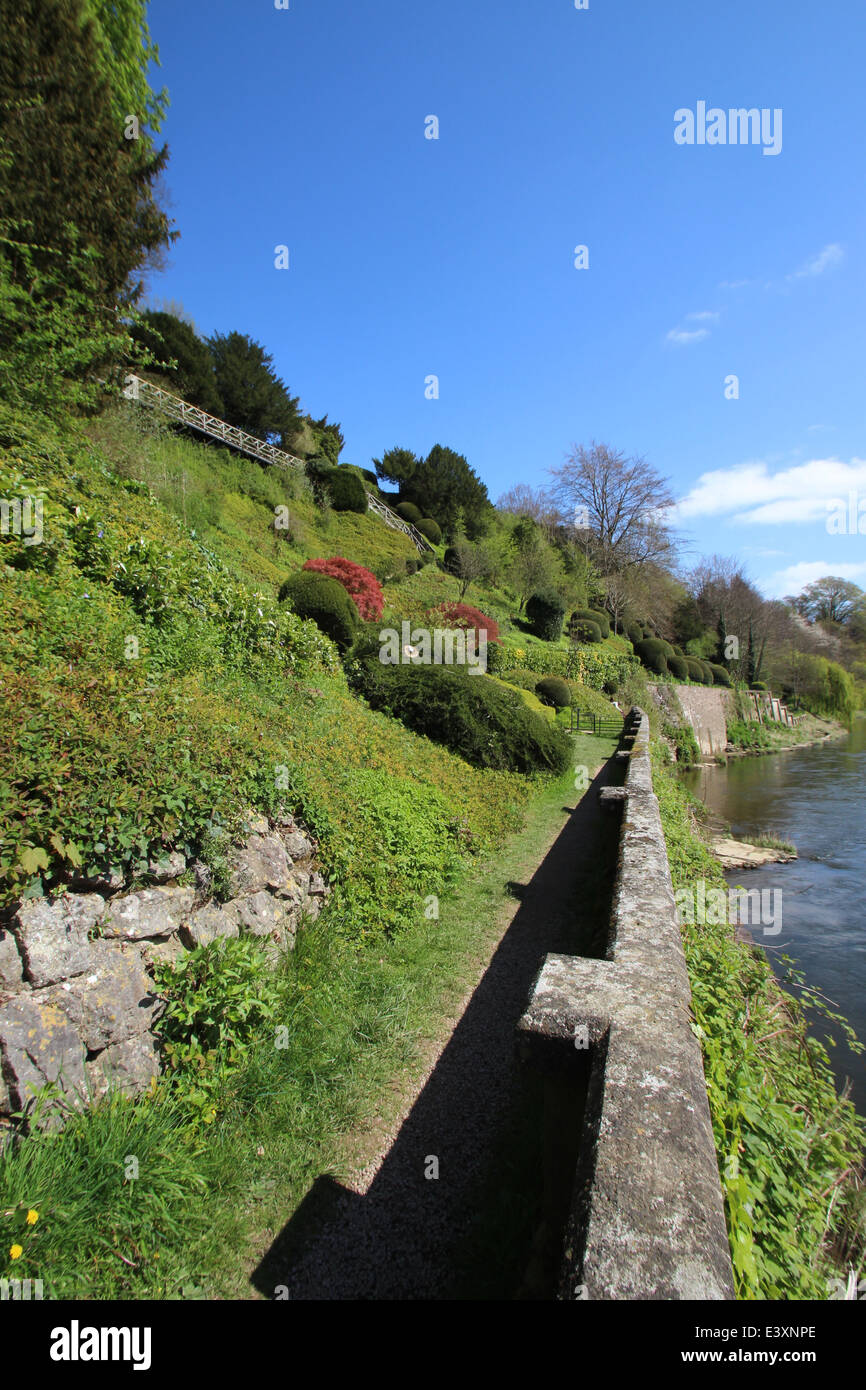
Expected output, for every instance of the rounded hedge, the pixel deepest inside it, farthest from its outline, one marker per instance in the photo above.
(678, 667)
(409, 512)
(695, 670)
(652, 654)
(594, 615)
(429, 528)
(634, 633)
(553, 691)
(708, 672)
(720, 675)
(546, 611)
(585, 630)
(758, 685)
(346, 490)
(475, 717)
(325, 601)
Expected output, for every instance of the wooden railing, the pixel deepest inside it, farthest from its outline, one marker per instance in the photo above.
(137, 389)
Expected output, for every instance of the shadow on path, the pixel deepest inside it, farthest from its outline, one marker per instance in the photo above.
(406, 1236)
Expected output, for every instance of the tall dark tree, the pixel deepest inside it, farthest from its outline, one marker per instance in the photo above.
(254, 398)
(396, 466)
(69, 179)
(721, 646)
(171, 338)
(445, 487)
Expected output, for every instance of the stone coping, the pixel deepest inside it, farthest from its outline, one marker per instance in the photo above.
(647, 1216)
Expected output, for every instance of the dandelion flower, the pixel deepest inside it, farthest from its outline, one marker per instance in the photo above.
(32, 1217)
(16, 1252)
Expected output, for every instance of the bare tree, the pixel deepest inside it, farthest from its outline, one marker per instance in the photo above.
(829, 600)
(621, 502)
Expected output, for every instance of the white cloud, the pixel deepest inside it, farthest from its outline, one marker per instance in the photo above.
(831, 255)
(683, 335)
(705, 315)
(795, 578)
(751, 494)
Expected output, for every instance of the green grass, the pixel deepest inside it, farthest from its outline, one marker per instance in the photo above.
(789, 1147)
(193, 1222)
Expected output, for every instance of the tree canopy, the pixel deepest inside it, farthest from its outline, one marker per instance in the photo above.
(254, 398)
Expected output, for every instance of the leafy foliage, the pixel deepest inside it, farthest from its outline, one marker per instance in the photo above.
(785, 1140)
(325, 601)
(170, 340)
(553, 691)
(474, 717)
(253, 396)
(361, 586)
(430, 528)
(463, 615)
(546, 611)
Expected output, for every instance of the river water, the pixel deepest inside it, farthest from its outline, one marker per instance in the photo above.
(815, 797)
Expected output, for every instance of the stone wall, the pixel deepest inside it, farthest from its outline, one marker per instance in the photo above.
(707, 710)
(646, 1216)
(76, 995)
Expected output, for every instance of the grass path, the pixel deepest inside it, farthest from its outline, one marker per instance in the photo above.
(378, 1225)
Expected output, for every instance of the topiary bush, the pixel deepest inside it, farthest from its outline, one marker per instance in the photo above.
(720, 675)
(475, 717)
(758, 685)
(545, 612)
(707, 669)
(585, 630)
(346, 490)
(678, 667)
(361, 586)
(409, 512)
(325, 601)
(652, 654)
(594, 615)
(634, 633)
(553, 691)
(429, 528)
(695, 669)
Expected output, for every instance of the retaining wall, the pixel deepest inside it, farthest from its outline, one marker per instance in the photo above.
(646, 1217)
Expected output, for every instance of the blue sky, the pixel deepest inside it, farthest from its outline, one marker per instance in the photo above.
(411, 257)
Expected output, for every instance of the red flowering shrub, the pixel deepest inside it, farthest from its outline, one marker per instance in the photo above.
(361, 586)
(463, 615)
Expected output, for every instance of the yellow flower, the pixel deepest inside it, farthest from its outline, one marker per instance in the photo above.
(32, 1217)
(16, 1252)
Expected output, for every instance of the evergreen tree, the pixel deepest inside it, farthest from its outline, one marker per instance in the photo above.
(254, 398)
(168, 337)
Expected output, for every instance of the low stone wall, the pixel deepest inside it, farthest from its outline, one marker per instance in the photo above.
(76, 996)
(646, 1218)
(708, 711)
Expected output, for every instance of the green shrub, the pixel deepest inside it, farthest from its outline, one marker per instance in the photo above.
(696, 670)
(585, 630)
(545, 612)
(634, 633)
(346, 490)
(553, 691)
(720, 675)
(526, 680)
(758, 685)
(678, 667)
(476, 718)
(707, 669)
(429, 528)
(216, 997)
(409, 512)
(652, 654)
(685, 744)
(325, 601)
(594, 615)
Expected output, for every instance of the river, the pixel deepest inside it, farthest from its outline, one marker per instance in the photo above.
(815, 797)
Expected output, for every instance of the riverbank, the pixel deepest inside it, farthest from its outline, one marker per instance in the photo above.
(789, 1146)
(749, 740)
